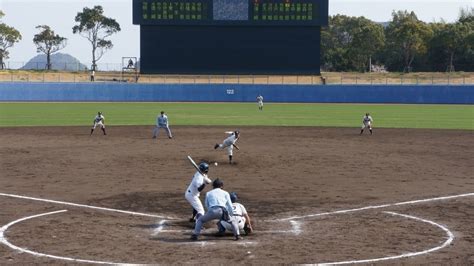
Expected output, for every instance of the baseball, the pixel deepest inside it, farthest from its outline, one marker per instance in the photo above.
(215, 163)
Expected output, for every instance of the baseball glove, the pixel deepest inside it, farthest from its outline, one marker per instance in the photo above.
(247, 229)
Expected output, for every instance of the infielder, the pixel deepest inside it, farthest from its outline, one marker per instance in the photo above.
(229, 143)
(99, 120)
(198, 183)
(367, 123)
(260, 102)
(239, 214)
(219, 206)
(162, 122)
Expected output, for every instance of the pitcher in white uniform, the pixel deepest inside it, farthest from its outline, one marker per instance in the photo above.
(192, 193)
(229, 143)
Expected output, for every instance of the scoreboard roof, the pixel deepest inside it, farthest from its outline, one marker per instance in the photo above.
(231, 12)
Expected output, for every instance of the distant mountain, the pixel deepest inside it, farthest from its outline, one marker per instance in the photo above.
(59, 61)
(384, 24)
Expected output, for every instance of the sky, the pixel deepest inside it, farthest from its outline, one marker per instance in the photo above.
(25, 15)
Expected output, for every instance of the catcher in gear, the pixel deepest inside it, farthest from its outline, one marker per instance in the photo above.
(239, 215)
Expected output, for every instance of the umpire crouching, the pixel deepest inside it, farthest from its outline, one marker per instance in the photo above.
(219, 206)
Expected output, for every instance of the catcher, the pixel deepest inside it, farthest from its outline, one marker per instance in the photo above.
(240, 215)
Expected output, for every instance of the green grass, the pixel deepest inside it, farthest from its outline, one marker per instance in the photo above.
(239, 114)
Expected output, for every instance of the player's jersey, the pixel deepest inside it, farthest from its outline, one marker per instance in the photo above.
(238, 209)
(230, 140)
(162, 120)
(367, 119)
(99, 118)
(198, 180)
(260, 99)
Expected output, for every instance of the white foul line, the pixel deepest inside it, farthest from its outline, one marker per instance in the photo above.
(376, 207)
(83, 206)
(4, 240)
(160, 227)
(296, 227)
(449, 234)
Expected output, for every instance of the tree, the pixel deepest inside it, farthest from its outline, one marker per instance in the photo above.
(349, 42)
(8, 37)
(452, 38)
(95, 27)
(406, 37)
(47, 42)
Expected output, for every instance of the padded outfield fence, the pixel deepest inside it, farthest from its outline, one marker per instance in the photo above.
(127, 92)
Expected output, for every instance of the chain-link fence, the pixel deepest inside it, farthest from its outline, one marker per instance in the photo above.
(84, 75)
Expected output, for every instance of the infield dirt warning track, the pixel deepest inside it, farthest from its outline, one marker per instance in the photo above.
(316, 195)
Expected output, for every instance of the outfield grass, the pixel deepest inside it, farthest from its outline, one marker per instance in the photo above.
(239, 114)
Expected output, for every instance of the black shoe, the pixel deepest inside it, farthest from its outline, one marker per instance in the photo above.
(154, 137)
(170, 137)
(237, 238)
(219, 234)
(194, 237)
(192, 220)
(216, 146)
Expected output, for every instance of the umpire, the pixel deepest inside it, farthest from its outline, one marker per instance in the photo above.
(219, 206)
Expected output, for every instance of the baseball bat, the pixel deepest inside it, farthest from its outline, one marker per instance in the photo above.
(195, 165)
(207, 180)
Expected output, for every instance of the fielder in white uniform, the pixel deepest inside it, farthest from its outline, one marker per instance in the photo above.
(260, 102)
(219, 207)
(239, 214)
(229, 143)
(162, 122)
(366, 123)
(99, 120)
(193, 191)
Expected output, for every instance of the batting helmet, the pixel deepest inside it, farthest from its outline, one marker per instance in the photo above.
(233, 197)
(204, 167)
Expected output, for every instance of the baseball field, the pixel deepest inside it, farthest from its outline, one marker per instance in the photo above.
(316, 190)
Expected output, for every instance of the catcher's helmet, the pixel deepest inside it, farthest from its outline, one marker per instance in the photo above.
(204, 167)
(233, 197)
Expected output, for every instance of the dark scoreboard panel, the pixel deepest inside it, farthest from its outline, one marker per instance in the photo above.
(231, 12)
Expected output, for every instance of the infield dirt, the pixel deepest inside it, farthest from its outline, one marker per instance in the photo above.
(278, 173)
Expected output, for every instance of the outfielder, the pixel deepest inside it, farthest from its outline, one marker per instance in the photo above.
(197, 185)
(239, 214)
(219, 206)
(229, 143)
(260, 102)
(162, 122)
(367, 123)
(99, 120)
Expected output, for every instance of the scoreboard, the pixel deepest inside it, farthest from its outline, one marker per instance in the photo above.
(231, 12)
(230, 36)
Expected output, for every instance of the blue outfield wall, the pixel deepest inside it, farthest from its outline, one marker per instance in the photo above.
(125, 92)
